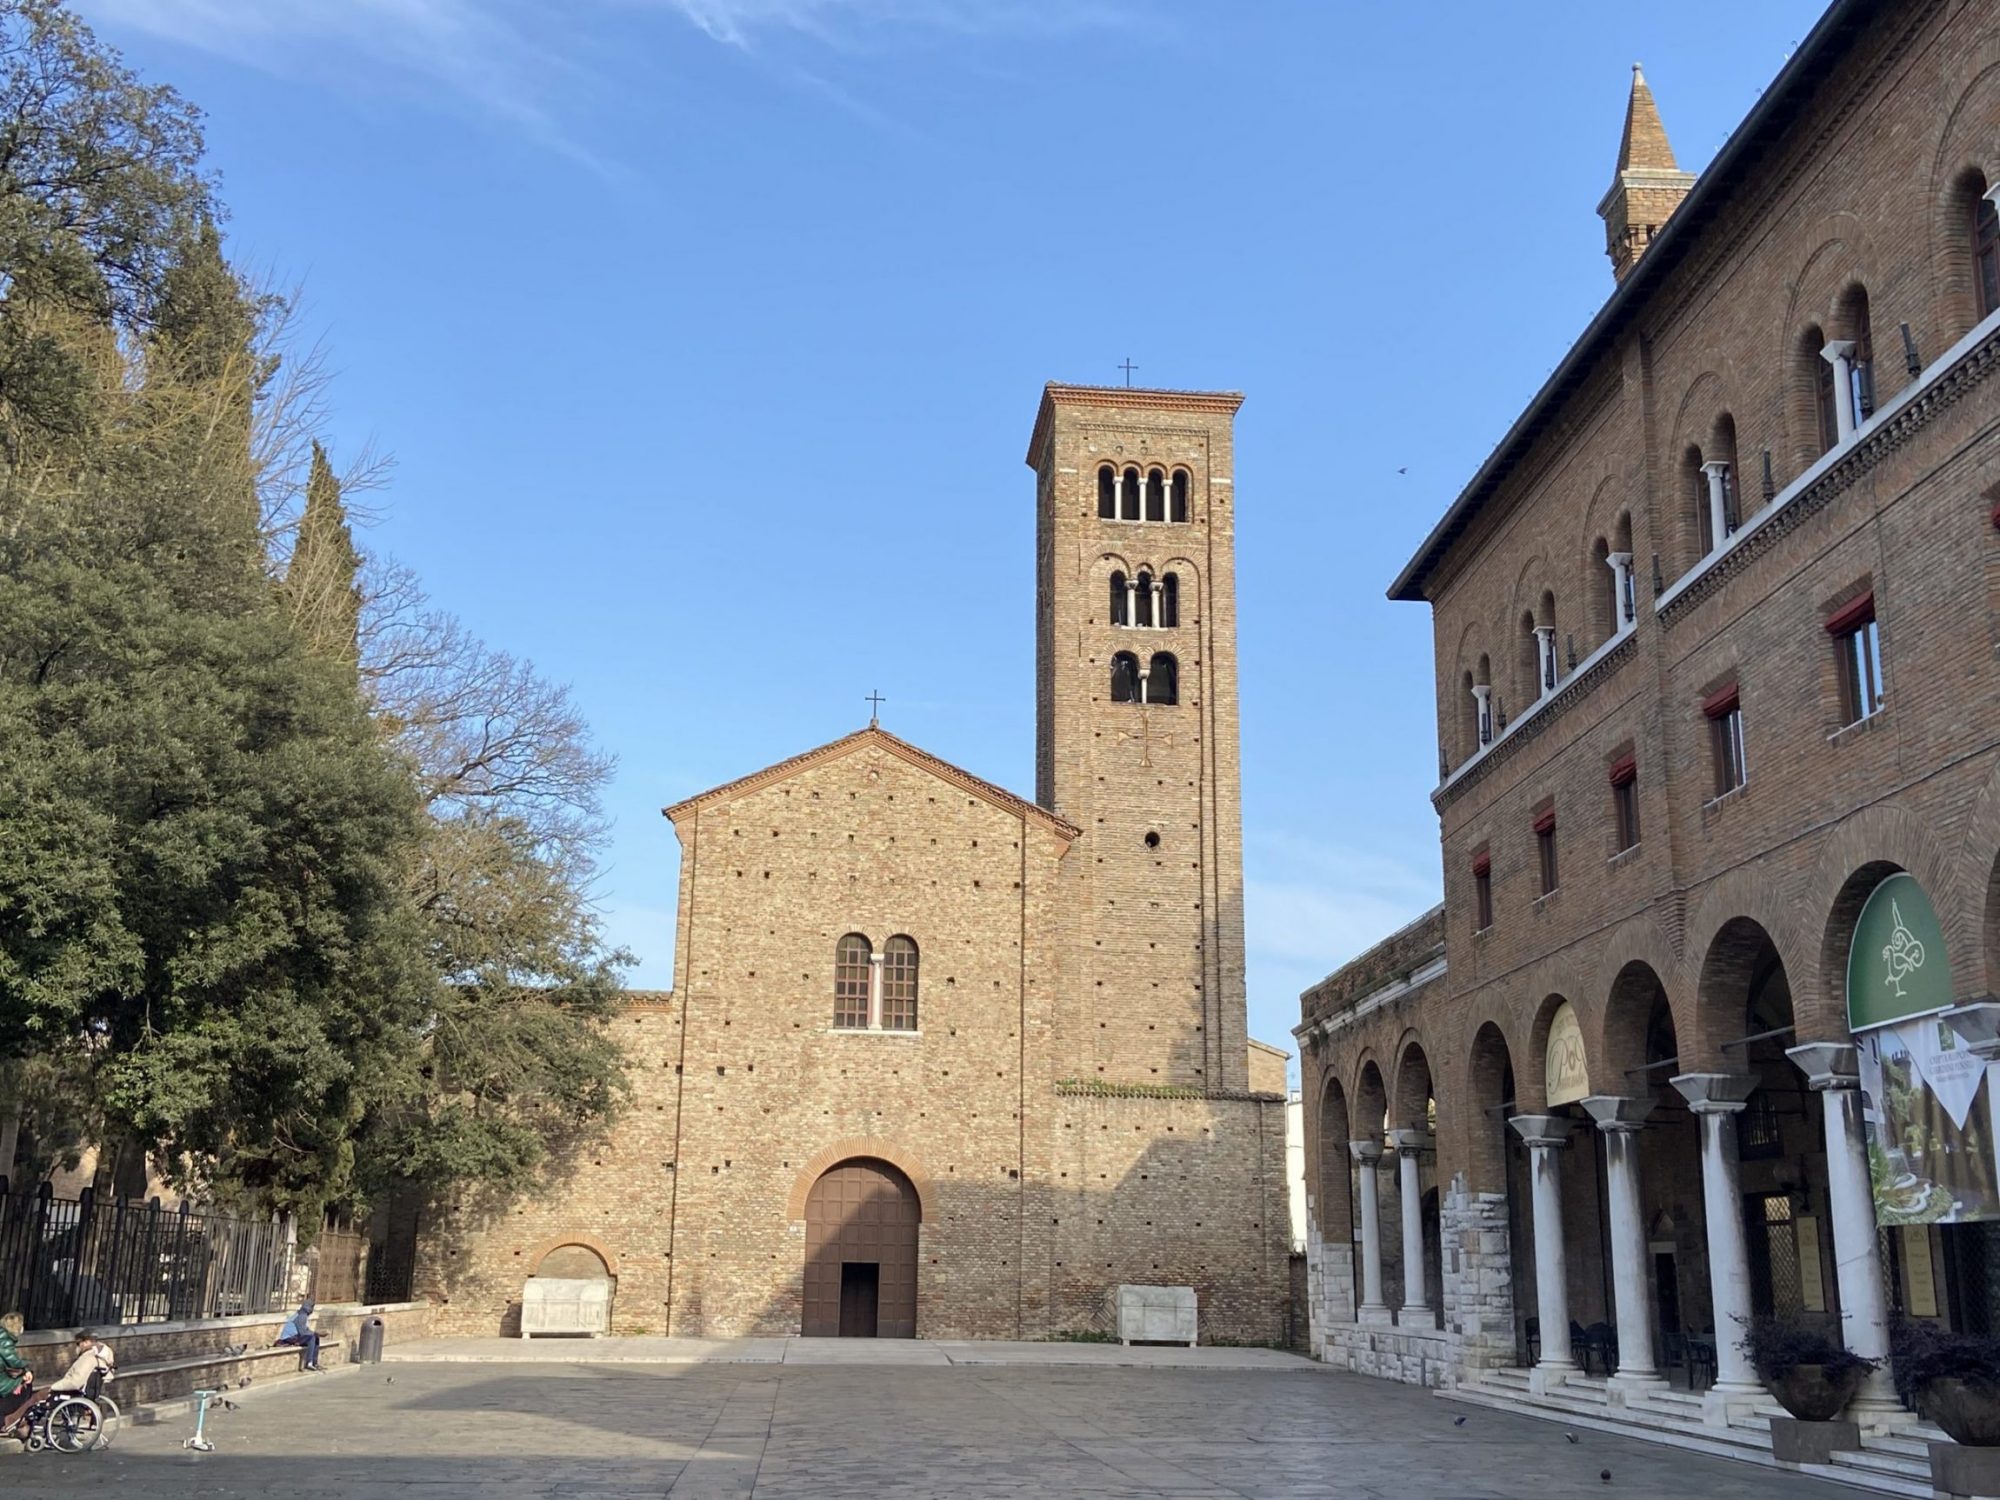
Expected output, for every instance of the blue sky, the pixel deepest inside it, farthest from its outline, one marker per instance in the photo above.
(707, 335)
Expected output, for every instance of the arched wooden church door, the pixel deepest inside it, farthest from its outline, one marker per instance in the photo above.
(861, 1253)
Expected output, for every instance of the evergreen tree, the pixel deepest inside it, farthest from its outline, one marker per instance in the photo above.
(322, 581)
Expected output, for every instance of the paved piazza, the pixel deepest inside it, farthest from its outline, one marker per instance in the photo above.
(497, 1431)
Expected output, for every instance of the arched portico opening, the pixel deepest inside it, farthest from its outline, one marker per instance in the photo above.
(1496, 1167)
(1376, 1204)
(1413, 1136)
(1333, 1206)
(862, 1217)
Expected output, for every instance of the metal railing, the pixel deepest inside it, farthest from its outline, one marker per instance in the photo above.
(70, 1261)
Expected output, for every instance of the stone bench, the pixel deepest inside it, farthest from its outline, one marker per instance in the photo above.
(565, 1305)
(165, 1379)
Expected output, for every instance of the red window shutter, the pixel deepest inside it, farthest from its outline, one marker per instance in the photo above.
(1852, 615)
(1624, 772)
(1482, 863)
(1721, 701)
(1545, 820)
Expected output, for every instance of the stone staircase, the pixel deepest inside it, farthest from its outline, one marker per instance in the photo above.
(1891, 1465)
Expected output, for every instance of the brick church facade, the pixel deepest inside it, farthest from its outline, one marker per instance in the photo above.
(939, 1060)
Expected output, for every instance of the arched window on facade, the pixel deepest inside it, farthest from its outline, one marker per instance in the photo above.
(1130, 484)
(1124, 678)
(1694, 485)
(899, 984)
(1854, 326)
(1170, 600)
(1180, 495)
(1603, 592)
(1985, 252)
(1121, 598)
(1825, 425)
(1143, 601)
(1107, 493)
(852, 957)
(1163, 679)
(1156, 495)
(1527, 663)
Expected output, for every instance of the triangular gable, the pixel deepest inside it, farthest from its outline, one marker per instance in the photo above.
(944, 770)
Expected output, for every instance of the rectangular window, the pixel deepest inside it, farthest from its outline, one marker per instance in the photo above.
(1545, 849)
(1858, 642)
(1625, 802)
(1482, 892)
(1724, 710)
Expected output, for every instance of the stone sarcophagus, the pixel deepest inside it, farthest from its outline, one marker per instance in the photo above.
(565, 1304)
(1154, 1314)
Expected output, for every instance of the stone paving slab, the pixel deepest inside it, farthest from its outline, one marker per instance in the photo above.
(801, 1351)
(777, 1431)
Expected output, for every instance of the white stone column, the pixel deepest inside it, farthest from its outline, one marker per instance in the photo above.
(1410, 1147)
(1159, 604)
(1372, 1308)
(1833, 1071)
(1718, 502)
(875, 990)
(1545, 659)
(1145, 671)
(1716, 1099)
(1545, 1136)
(1840, 354)
(1132, 601)
(1621, 1119)
(1482, 692)
(1621, 572)
(1118, 494)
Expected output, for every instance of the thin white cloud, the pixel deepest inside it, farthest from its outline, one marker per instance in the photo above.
(848, 23)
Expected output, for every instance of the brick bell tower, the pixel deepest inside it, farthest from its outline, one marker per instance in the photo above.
(1136, 733)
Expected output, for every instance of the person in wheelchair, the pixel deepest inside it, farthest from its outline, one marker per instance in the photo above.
(93, 1365)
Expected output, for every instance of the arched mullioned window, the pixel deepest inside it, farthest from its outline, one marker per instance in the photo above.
(1985, 252)
(899, 984)
(1144, 613)
(1179, 511)
(1156, 495)
(1819, 370)
(852, 957)
(1121, 598)
(1163, 679)
(1170, 600)
(1855, 325)
(1124, 678)
(1107, 493)
(1129, 486)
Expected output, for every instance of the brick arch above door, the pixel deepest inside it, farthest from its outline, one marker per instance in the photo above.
(897, 1156)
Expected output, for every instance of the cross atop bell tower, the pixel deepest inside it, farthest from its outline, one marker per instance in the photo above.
(1136, 728)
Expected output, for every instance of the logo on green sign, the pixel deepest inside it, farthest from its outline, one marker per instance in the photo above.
(1896, 965)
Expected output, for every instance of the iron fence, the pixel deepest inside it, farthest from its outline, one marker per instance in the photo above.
(69, 1261)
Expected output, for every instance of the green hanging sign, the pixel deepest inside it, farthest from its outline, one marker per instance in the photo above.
(1896, 966)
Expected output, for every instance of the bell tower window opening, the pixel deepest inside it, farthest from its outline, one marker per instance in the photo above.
(853, 968)
(1169, 612)
(1124, 678)
(1180, 480)
(1162, 680)
(1121, 600)
(1143, 614)
(1129, 487)
(1156, 495)
(1107, 493)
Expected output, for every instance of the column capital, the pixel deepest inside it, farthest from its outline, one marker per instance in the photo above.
(1716, 1093)
(1978, 1021)
(1715, 468)
(1410, 1142)
(877, 957)
(1619, 559)
(1365, 1152)
(1615, 1112)
(1547, 630)
(1834, 350)
(1481, 690)
(1828, 1065)
(1540, 1132)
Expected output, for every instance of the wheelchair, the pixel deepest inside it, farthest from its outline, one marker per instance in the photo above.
(72, 1421)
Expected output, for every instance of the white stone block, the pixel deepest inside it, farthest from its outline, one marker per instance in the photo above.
(1155, 1314)
(565, 1304)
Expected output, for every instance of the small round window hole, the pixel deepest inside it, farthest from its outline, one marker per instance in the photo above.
(1152, 841)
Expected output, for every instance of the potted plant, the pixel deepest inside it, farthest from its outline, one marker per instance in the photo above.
(1953, 1379)
(1811, 1373)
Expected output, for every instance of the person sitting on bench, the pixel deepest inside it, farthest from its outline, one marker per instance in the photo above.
(298, 1330)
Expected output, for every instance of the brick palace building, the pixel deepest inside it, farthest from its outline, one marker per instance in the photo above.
(938, 1060)
(1717, 635)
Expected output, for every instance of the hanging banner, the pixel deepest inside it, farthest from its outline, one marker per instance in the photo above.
(1562, 1060)
(1928, 1109)
(1896, 964)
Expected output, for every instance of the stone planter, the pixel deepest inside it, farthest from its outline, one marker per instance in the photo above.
(1968, 1410)
(1809, 1393)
